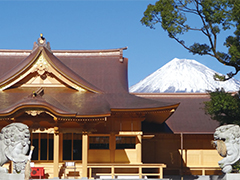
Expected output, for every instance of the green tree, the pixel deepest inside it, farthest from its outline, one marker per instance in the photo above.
(214, 16)
(224, 107)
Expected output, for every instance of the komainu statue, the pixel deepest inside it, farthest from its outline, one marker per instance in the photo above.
(14, 145)
(227, 142)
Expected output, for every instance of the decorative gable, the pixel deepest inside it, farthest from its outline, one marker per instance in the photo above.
(42, 74)
(42, 69)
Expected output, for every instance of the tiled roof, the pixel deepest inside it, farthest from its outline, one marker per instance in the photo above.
(190, 116)
(59, 101)
(105, 69)
(102, 73)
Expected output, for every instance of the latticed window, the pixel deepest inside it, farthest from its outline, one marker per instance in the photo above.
(43, 146)
(125, 142)
(72, 146)
(98, 142)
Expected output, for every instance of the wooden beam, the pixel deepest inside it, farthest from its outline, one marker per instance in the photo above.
(129, 133)
(139, 148)
(84, 154)
(112, 147)
(56, 153)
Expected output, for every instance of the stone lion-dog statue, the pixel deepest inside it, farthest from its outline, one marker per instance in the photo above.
(227, 142)
(14, 145)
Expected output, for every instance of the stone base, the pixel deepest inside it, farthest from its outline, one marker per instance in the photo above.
(232, 176)
(198, 177)
(6, 176)
(229, 176)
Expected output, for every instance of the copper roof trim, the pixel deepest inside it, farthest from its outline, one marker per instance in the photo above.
(78, 116)
(90, 51)
(87, 54)
(165, 108)
(172, 95)
(81, 119)
(15, 53)
(104, 52)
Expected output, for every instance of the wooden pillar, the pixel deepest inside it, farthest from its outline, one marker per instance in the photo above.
(84, 154)
(112, 172)
(56, 152)
(161, 172)
(181, 169)
(139, 148)
(112, 147)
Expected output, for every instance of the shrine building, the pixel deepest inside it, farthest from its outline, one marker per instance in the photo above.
(78, 108)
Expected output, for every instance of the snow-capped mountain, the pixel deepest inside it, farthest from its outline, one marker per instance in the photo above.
(183, 75)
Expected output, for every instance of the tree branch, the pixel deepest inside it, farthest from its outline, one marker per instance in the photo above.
(188, 10)
(181, 42)
(208, 34)
(214, 36)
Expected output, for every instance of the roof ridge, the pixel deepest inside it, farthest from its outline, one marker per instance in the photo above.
(24, 67)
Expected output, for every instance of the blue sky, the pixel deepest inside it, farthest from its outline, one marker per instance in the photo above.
(96, 24)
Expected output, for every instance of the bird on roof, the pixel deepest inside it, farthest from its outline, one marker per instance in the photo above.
(41, 36)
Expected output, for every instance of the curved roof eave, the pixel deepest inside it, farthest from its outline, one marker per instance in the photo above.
(157, 115)
(30, 103)
(26, 64)
(35, 103)
(148, 110)
(68, 73)
(19, 68)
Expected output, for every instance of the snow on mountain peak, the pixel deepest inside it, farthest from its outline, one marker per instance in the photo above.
(183, 75)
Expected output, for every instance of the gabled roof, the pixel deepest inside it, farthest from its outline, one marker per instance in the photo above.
(25, 67)
(105, 69)
(190, 117)
(95, 84)
(60, 102)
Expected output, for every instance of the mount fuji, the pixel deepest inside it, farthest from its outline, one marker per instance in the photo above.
(183, 75)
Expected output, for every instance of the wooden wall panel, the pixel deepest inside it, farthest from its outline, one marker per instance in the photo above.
(126, 156)
(166, 148)
(98, 156)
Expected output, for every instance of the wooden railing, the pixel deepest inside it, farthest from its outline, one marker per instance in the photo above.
(187, 170)
(204, 169)
(126, 167)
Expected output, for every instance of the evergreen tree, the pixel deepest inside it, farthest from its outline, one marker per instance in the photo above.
(214, 17)
(224, 107)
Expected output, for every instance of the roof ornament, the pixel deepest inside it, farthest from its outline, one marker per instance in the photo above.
(41, 42)
(39, 92)
(34, 112)
(121, 59)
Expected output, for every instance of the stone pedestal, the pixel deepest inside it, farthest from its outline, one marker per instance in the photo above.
(232, 176)
(6, 176)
